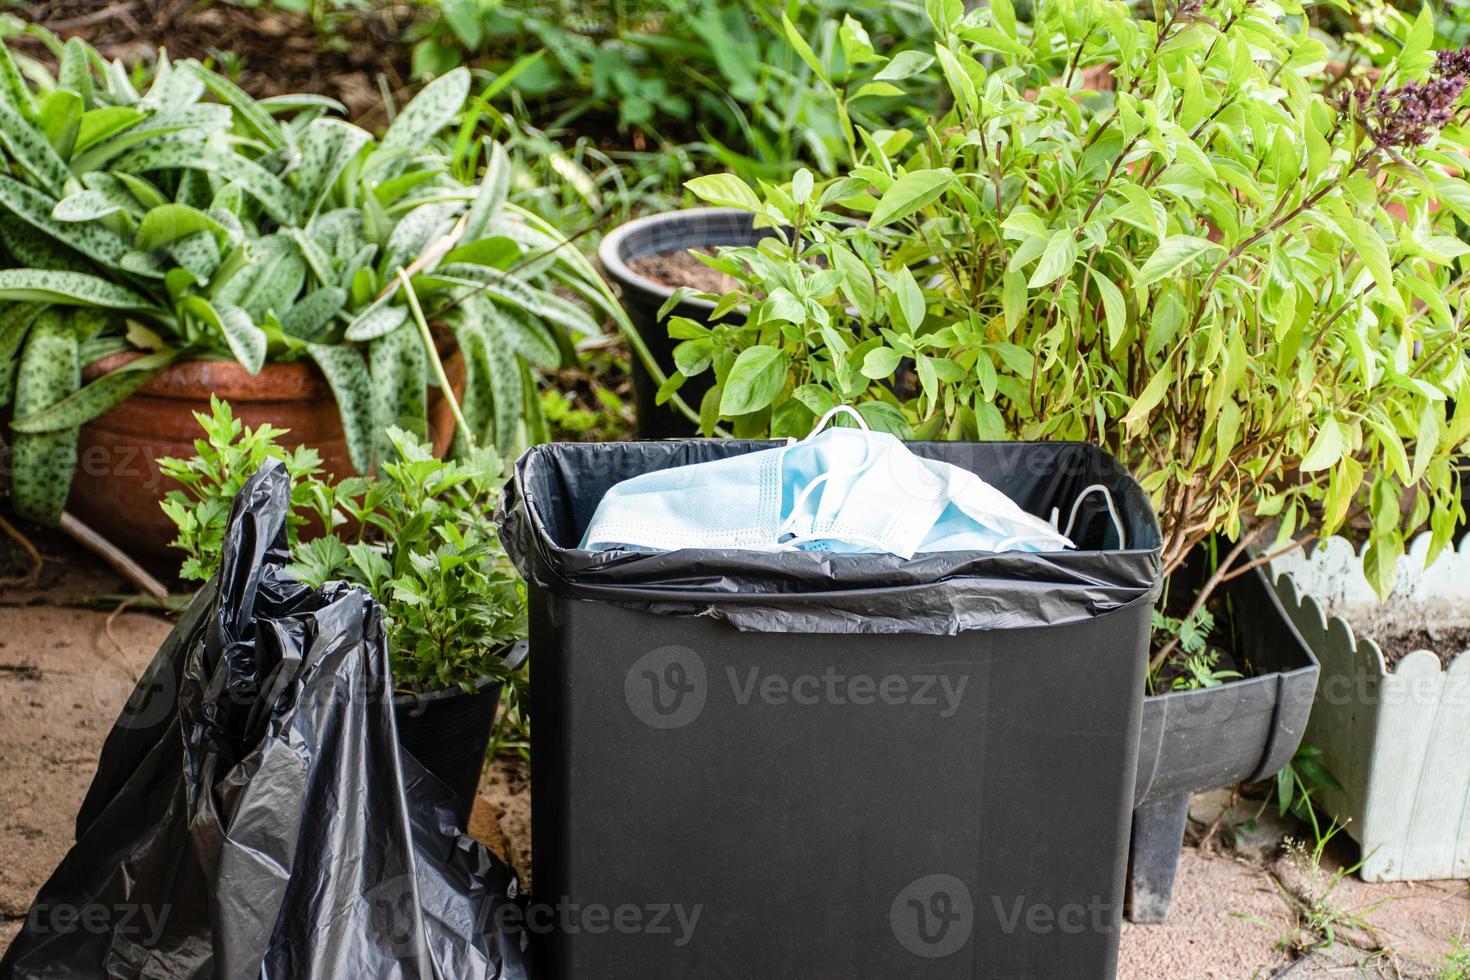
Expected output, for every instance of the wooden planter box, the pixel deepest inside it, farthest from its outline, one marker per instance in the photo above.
(1398, 740)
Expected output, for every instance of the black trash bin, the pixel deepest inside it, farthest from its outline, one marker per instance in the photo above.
(803, 764)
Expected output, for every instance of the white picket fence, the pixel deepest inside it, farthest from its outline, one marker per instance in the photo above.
(1399, 741)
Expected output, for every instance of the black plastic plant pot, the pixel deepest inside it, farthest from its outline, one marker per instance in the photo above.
(1241, 731)
(1463, 465)
(806, 764)
(660, 234)
(449, 731)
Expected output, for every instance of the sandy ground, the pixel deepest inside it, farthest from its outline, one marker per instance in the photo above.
(62, 680)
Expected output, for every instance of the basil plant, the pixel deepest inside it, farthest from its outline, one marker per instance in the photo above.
(1250, 292)
(183, 219)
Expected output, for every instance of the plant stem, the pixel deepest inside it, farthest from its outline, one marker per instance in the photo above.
(120, 561)
(1206, 590)
(439, 373)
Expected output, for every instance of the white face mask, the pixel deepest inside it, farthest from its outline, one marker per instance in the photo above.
(839, 490)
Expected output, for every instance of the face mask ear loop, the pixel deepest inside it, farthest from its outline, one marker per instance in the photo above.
(1112, 511)
(821, 478)
(833, 413)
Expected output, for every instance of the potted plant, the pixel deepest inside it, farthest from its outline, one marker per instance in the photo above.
(1391, 712)
(420, 537)
(650, 258)
(1201, 274)
(163, 245)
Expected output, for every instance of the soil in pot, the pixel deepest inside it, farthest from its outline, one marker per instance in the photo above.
(682, 268)
(1400, 628)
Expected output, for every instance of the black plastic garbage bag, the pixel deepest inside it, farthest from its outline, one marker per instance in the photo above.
(556, 489)
(252, 815)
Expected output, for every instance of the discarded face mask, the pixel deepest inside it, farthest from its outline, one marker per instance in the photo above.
(838, 490)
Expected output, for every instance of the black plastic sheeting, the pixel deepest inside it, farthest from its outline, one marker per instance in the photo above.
(556, 489)
(250, 817)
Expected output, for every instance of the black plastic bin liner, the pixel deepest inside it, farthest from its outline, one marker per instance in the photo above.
(252, 815)
(556, 489)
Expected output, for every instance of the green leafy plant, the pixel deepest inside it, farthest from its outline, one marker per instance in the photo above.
(1456, 965)
(191, 221)
(1297, 782)
(420, 537)
(1248, 292)
(1196, 664)
(751, 83)
(225, 458)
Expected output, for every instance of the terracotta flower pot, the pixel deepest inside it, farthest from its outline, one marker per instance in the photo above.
(118, 485)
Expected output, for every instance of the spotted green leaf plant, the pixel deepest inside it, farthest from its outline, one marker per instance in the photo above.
(183, 219)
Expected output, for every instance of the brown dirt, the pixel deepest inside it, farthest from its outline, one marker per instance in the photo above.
(1223, 925)
(674, 269)
(281, 53)
(1447, 643)
(51, 730)
(1400, 628)
(505, 798)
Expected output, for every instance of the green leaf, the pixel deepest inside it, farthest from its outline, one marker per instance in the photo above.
(754, 381)
(15, 322)
(910, 299)
(1152, 394)
(100, 124)
(959, 81)
(245, 340)
(802, 48)
(168, 223)
(724, 190)
(1056, 260)
(1374, 253)
(171, 154)
(399, 371)
(490, 195)
(903, 65)
(92, 240)
(97, 397)
(249, 112)
(269, 281)
(84, 206)
(1326, 448)
(42, 464)
(78, 288)
(30, 148)
(496, 327)
(61, 114)
(310, 316)
(880, 363)
(1172, 255)
(1114, 307)
(909, 193)
(376, 321)
(14, 92)
(434, 108)
(347, 374)
(327, 148)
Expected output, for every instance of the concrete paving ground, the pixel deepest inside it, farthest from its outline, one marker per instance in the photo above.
(1240, 911)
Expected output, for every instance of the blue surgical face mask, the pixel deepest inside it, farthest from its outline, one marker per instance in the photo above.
(839, 490)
